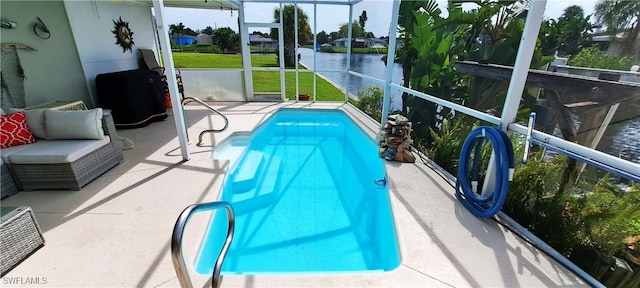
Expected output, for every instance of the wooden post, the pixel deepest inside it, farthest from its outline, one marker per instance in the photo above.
(603, 127)
(565, 122)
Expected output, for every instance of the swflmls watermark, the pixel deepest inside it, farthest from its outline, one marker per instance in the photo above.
(24, 280)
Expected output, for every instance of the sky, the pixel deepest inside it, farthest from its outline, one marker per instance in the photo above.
(330, 17)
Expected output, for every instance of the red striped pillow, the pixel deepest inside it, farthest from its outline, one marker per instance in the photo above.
(14, 130)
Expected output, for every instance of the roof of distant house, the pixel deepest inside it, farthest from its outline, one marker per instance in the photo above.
(606, 36)
(259, 38)
(204, 39)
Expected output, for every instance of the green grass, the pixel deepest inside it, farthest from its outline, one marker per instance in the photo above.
(269, 81)
(204, 60)
(263, 49)
(198, 48)
(263, 81)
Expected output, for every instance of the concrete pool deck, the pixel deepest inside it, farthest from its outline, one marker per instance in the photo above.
(116, 231)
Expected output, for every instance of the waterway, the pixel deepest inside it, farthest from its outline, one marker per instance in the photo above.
(367, 64)
(622, 139)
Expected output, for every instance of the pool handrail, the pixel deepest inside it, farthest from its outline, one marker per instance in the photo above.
(176, 241)
(186, 100)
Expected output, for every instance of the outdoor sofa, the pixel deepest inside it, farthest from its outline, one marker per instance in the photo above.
(71, 149)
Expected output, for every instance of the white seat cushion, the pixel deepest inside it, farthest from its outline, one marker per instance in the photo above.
(58, 151)
(7, 152)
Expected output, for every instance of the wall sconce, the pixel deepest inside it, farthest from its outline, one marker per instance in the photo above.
(9, 25)
(41, 30)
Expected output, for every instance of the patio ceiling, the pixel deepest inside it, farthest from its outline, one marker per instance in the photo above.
(201, 4)
(235, 4)
(329, 2)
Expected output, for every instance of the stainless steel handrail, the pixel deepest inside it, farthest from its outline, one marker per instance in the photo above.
(186, 100)
(176, 242)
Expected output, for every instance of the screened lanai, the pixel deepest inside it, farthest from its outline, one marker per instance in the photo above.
(123, 220)
(504, 119)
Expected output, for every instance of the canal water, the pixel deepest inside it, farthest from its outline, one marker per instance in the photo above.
(367, 64)
(622, 139)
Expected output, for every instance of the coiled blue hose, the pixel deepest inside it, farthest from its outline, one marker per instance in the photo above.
(504, 164)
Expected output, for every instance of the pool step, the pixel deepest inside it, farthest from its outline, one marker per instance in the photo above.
(232, 148)
(262, 195)
(247, 173)
(270, 176)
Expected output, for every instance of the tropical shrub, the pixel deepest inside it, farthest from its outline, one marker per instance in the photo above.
(370, 101)
(607, 215)
(447, 143)
(536, 201)
(593, 57)
(436, 43)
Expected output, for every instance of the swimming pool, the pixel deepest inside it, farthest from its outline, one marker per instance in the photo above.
(309, 196)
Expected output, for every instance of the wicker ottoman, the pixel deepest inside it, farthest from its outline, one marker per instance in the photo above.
(20, 236)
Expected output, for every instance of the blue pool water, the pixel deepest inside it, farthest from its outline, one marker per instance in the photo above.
(306, 200)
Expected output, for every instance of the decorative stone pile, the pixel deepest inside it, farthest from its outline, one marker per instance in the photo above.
(395, 140)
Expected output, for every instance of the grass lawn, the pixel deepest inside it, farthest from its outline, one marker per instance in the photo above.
(263, 49)
(205, 60)
(263, 81)
(269, 81)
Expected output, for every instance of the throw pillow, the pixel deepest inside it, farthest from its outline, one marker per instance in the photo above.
(14, 130)
(75, 124)
(35, 120)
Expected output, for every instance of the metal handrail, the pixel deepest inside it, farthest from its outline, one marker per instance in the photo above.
(176, 242)
(186, 100)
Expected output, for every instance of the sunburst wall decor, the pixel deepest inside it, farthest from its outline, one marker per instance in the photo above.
(124, 35)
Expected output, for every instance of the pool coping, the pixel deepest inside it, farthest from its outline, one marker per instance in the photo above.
(250, 170)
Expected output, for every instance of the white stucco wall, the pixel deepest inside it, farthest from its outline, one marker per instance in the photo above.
(92, 23)
(54, 71)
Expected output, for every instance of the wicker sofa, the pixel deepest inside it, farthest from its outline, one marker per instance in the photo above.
(64, 164)
(8, 186)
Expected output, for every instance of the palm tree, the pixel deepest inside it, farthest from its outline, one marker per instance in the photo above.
(363, 19)
(304, 31)
(177, 29)
(620, 15)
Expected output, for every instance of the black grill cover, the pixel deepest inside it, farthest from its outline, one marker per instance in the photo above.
(135, 97)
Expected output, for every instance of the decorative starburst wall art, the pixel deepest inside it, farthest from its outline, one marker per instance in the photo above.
(124, 35)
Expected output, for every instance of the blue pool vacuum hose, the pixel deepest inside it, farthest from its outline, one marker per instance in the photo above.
(466, 185)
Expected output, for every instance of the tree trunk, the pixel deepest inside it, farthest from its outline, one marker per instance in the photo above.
(631, 43)
(291, 59)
